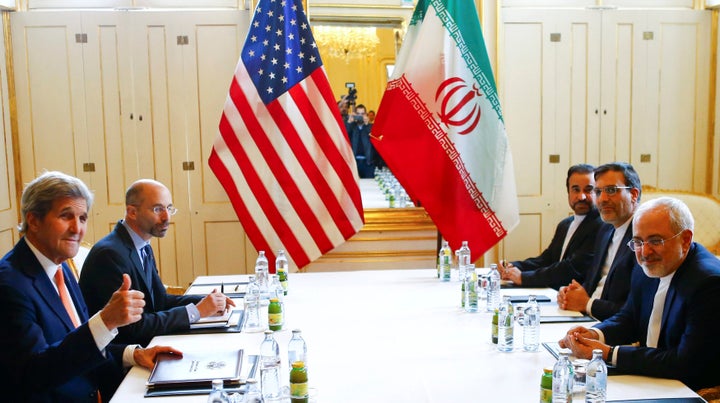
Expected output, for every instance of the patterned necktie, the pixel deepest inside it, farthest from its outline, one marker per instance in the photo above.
(64, 296)
(148, 261)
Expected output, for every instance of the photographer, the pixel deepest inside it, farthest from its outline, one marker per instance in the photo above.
(359, 132)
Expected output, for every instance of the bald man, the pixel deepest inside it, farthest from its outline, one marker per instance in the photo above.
(127, 250)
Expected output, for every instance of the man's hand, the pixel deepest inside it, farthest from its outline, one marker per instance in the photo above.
(577, 331)
(510, 272)
(573, 297)
(146, 357)
(125, 306)
(582, 342)
(213, 304)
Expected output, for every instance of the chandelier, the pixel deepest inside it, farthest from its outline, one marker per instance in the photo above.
(346, 42)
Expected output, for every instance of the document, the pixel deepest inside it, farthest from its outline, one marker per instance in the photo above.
(196, 369)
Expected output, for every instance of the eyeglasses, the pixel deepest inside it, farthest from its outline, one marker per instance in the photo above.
(636, 244)
(160, 209)
(610, 190)
(171, 210)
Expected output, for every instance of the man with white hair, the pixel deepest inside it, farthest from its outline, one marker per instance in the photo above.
(670, 317)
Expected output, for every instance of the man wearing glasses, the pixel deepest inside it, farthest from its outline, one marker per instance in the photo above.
(571, 250)
(669, 326)
(607, 284)
(127, 250)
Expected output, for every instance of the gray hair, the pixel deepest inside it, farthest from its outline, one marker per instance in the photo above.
(680, 216)
(41, 192)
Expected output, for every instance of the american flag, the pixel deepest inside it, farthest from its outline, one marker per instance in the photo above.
(282, 154)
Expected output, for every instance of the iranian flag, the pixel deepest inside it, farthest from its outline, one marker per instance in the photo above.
(440, 128)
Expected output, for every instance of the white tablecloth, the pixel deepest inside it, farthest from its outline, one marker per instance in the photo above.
(400, 336)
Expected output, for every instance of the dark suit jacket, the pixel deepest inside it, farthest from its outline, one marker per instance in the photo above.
(687, 347)
(43, 358)
(101, 275)
(547, 270)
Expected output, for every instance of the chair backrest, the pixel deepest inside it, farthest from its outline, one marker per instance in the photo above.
(76, 262)
(705, 209)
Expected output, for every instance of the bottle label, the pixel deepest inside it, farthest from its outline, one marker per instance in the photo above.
(545, 395)
(275, 320)
(298, 389)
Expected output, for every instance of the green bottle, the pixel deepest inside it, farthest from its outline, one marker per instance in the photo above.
(298, 383)
(275, 315)
(495, 327)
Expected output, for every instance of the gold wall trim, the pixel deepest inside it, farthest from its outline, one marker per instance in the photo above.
(363, 6)
(397, 219)
(712, 103)
(12, 105)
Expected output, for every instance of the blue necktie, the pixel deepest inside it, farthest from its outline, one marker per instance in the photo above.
(148, 262)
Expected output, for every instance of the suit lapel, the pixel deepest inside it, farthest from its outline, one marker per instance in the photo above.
(604, 241)
(622, 251)
(41, 282)
(581, 230)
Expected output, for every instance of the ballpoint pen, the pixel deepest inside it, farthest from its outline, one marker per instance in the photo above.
(222, 287)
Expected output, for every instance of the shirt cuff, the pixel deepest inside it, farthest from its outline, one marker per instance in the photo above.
(614, 351)
(588, 307)
(193, 313)
(129, 355)
(100, 333)
(601, 335)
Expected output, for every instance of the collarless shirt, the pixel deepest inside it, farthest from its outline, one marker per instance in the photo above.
(577, 220)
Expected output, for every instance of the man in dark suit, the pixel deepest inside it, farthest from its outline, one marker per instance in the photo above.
(126, 251)
(52, 351)
(607, 284)
(671, 314)
(571, 250)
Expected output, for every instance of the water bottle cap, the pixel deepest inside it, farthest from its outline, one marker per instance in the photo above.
(269, 332)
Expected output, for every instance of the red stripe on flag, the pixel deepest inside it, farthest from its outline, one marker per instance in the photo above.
(332, 154)
(227, 182)
(347, 175)
(284, 178)
(283, 231)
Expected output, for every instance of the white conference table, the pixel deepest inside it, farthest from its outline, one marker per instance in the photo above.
(399, 336)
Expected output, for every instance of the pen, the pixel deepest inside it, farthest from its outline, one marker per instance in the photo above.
(222, 287)
(237, 286)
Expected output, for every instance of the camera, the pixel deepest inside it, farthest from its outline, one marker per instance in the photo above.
(351, 96)
(358, 119)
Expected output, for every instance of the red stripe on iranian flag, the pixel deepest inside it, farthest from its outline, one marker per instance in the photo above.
(431, 175)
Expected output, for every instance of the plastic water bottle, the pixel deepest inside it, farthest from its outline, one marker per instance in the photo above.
(252, 393)
(297, 349)
(506, 321)
(445, 261)
(563, 376)
(270, 367)
(463, 260)
(281, 269)
(471, 290)
(531, 325)
(493, 291)
(252, 321)
(596, 379)
(217, 394)
(261, 273)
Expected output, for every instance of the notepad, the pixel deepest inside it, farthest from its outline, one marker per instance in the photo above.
(216, 321)
(196, 369)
